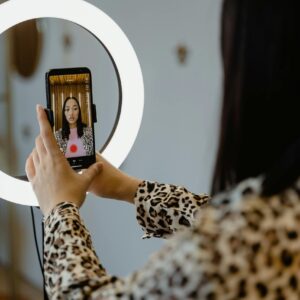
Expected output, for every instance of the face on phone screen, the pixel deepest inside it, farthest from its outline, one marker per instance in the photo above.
(70, 97)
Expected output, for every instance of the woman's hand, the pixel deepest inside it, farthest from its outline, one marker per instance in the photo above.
(52, 178)
(113, 183)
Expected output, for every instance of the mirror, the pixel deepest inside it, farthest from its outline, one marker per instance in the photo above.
(65, 45)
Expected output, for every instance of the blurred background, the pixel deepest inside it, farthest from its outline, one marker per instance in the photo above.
(177, 44)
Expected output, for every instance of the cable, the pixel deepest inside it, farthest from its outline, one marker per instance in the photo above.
(37, 250)
(24, 178)
(35, 239)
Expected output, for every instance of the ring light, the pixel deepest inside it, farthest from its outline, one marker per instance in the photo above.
(123, 55)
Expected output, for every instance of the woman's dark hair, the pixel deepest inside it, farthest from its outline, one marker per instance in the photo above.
(260, 118)
(65, 124)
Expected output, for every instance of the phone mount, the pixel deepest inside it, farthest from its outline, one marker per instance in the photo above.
(50, 117)
(94, 113)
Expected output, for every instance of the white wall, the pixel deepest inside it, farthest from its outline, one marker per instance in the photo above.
(178, 136)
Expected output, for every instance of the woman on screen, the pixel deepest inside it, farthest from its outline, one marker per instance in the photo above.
(75, 138)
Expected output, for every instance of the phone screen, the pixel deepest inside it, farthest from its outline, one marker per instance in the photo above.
(70, 99)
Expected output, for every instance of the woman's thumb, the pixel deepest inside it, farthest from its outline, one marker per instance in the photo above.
(92, 172)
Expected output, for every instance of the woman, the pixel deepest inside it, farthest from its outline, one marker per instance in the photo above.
(245, 243)
(74, 138)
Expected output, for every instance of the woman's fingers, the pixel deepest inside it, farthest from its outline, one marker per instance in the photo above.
(35, 158)
(46, 131)
(40, 147)
(29, 168)
(90, 173)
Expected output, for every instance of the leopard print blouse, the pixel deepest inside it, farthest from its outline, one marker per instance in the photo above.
(240, 246)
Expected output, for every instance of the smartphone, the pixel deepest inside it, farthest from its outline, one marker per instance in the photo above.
(70, 101)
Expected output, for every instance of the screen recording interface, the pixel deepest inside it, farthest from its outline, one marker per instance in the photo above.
(70, 96)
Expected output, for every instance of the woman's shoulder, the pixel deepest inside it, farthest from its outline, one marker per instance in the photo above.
(58, 133)
(250, 187)
(87, 130)
(244, 232)
(245, 203)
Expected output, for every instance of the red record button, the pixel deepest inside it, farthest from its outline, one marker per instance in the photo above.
(73, 148)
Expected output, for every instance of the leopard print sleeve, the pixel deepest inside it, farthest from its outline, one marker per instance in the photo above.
(71, 267)
(241, 246)
(163, 209)
(174, 272)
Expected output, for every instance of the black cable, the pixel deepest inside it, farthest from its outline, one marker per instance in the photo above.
(24, 178)
(37, 250)
(35, 239)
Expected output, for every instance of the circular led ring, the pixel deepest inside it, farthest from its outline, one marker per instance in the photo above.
(113, 38)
